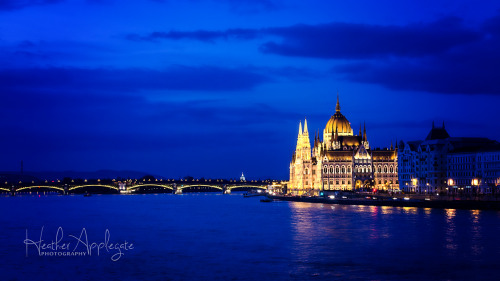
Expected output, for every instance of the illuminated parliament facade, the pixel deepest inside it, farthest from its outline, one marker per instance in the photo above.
(341, 161)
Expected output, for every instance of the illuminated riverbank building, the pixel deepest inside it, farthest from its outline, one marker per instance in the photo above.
(445, 164)
(340, 161)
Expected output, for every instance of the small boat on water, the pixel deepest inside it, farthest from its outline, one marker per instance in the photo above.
(253, 194)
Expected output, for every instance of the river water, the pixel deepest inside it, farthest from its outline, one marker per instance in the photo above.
(227, 237)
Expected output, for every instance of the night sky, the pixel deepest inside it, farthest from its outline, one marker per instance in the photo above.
(213, 88)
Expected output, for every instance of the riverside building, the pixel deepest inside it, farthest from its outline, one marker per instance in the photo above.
(340, 161)
(441, 163)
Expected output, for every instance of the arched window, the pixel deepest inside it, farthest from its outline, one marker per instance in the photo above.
(391, 169)
(337, 169)
(385, 169)
(348, 169)
(331, 169)
(325, 170)
(363, 169)
(343, 169)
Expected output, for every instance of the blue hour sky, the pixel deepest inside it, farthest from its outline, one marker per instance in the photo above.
(213, 88)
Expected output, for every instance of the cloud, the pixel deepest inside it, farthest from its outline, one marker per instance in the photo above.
(341, 40)
(199, 35)
(202, 78)
(443, 56)
(20, 4)
(467, 69)
(358, 41)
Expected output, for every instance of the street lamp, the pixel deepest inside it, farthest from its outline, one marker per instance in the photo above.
(414, 183)
(475, 184)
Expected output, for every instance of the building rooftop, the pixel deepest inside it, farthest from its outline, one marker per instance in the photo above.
(437, 133)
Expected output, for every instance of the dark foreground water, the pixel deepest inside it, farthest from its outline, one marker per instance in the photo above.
(228, 237)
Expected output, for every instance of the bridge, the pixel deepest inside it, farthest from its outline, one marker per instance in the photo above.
(131, 186)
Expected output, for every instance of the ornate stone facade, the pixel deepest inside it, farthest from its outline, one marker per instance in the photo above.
(341, 161)
(445, 164)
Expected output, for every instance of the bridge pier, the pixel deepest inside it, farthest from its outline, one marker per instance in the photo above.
(123, 189)
(225, 189)
(176, 190)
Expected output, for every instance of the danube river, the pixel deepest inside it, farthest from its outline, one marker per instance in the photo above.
(227, 237)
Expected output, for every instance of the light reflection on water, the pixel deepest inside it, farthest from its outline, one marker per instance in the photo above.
(451, 232)
(227, 237)
(351, 242)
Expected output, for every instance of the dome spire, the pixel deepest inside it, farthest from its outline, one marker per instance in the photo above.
(337, 108)
(364, 131)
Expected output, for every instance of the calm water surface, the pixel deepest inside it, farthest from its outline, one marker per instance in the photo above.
(228, 237)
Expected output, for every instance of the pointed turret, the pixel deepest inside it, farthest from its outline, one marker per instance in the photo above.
(300, 128)
(305, 126)
(337, 108)
(392, 146)
(364, 131)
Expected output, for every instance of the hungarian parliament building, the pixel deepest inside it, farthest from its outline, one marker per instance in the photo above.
(340, 161)
(438, 164)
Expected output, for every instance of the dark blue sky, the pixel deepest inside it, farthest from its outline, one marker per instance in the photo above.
(211, 88)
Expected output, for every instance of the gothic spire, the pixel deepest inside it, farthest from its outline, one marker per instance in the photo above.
(364, 131)
(337, 108)
(305, 126)
(300, 128)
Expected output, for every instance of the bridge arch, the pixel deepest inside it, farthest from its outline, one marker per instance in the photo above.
(92, 185)
(198, 185)
(40, 186)
(247, 186)
(149, 185)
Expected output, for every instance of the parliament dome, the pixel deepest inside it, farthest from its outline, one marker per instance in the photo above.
(339, 123)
